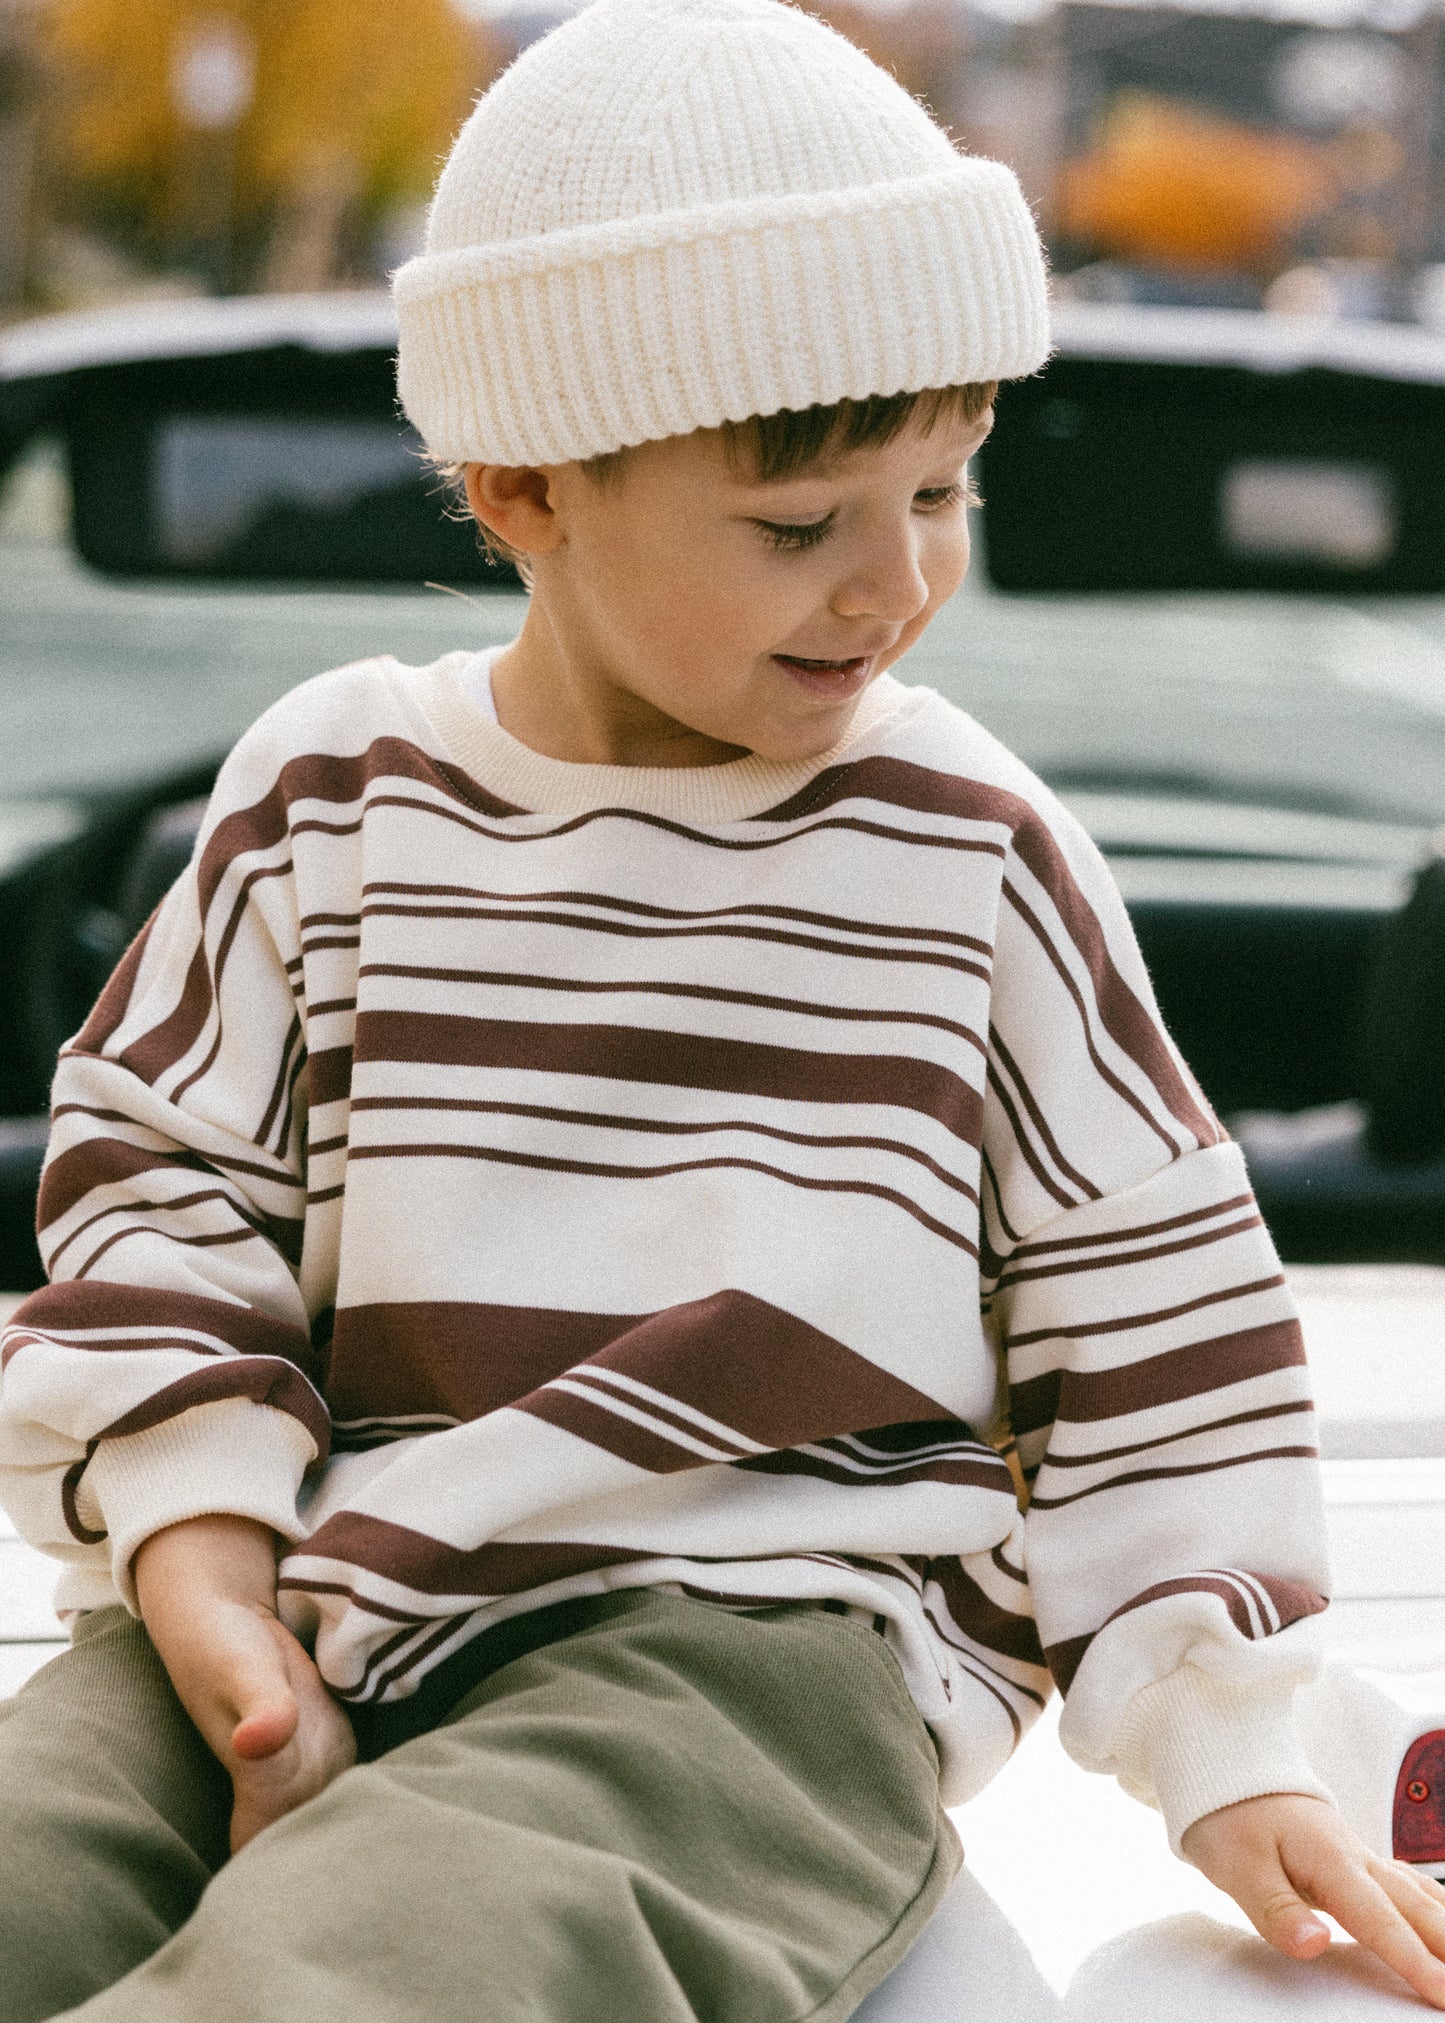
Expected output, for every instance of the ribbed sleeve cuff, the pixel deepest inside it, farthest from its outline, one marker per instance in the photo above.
(1196, 1742)
(232, 1457)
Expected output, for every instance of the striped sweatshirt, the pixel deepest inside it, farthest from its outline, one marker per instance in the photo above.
(512, 1179)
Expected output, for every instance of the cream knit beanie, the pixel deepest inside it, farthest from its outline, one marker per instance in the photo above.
(672, 213)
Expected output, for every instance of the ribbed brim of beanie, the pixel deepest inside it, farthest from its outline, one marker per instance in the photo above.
(672, 213)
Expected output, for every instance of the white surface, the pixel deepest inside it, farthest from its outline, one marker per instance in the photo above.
(1376, 1341)
(969, 1964)
(1190, 1970)
(27, 1581)
(1070, 1860)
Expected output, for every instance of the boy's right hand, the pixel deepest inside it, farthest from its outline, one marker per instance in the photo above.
(207, 1591)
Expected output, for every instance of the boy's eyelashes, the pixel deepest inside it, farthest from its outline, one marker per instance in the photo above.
(794, 534)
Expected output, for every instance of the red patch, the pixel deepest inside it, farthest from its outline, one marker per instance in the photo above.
(1420, 1800)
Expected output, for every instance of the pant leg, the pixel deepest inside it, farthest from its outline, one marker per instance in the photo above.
(113, 1817)
(671, 1813)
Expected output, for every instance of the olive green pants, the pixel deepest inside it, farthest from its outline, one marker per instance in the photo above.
(666, 1811)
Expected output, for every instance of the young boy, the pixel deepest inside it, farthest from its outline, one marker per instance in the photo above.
(654, 1106)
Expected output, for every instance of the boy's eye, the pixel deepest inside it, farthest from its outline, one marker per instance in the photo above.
(796, 534)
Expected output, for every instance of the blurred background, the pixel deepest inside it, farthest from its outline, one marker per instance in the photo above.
(1284, 154)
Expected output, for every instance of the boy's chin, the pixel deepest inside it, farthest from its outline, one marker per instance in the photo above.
(808, 738)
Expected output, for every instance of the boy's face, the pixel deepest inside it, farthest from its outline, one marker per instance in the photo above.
(684, 596)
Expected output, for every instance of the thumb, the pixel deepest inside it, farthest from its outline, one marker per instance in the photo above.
(261, 1695)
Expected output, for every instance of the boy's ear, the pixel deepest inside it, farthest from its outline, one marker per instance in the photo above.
(514, 502)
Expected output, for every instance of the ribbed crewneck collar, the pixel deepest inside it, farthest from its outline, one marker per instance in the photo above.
(730, 792)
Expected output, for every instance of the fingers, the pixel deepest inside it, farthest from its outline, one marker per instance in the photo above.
(1390, 1913)
(1279, 1913)
(1417, 1899)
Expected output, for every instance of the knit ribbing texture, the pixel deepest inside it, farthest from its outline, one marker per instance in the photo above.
(668, 214)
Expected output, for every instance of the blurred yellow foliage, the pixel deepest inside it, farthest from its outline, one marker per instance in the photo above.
(365, 93)
(1167, 183)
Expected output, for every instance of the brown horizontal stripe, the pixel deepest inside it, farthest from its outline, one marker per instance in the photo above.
(1177, 1374)
(218, 1241)
(429, 1566)
(1292, 1600)
(537, 1162)
(641, 909)
(1185, 1433)
(597, 1386)
(312, 776)
(103, 1162)
(1119, 1260)
(17, 1338)
(1143, 1475)
(638, 818)
(722, 1355)
(455, 1359)
(901, 783)
(591, 1419)
(1084, 1329)
(265, 1380)
(1138, 1233)
(286, 1235)
(675, 1060)
(700, 993)
(953, 1473)
(242, 1329)
(712, 930)
(846, 1141)
(223, 1161)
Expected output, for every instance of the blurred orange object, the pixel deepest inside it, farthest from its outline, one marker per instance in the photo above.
(1168, 184)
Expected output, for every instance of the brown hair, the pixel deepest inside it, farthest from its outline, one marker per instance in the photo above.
(776, 446)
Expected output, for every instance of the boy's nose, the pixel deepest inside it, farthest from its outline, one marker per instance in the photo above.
(889, 585)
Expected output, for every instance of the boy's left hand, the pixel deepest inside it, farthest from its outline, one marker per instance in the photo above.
(1284, 1857)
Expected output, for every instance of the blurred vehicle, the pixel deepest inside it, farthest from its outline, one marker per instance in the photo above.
(1210, 610)
(1213, 620)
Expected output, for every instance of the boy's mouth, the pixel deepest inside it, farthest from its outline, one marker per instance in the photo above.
(836, 679)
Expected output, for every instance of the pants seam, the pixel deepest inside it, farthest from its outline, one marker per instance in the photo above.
(946, 1861)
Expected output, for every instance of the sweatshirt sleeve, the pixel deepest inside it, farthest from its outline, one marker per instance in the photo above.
(1174, 1533)
(167, 1369)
